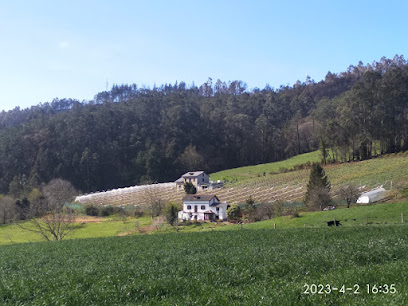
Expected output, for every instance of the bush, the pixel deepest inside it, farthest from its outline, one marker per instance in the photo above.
(107, 211)
(295, 213)
(138, 213)
(91, 210)
(171, 210)
(234, 212)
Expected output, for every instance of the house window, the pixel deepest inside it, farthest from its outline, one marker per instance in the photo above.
(188, 206)
(202, 207)
(218, 209)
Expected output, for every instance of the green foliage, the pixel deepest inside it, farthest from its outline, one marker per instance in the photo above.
(240, 267)
(106, 211)
(91, 210)
(318, 189)
(234, 212)
(249, 208)
(250, 172)
(189, 188)
(170, 212)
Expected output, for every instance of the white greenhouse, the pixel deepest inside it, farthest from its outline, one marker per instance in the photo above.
(372, 196)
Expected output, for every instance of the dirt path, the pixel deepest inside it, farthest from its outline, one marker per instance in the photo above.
(89, 219)
(145, 229)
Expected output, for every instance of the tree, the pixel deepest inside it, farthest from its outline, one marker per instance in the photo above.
(154, 199)
(189, 188)
(191, 159)
(349, 193)
(234, 212)
(171, 213)
(23, 206)
(249, 209)
(57, 220)
(318, 189)
(8, 210)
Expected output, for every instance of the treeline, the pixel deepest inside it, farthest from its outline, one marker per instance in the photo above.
(368, 120)
(132, 135)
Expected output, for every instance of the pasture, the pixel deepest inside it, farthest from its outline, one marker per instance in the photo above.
(356, 216)
(249, 267)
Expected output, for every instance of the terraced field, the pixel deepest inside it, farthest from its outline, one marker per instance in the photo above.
(390, 171)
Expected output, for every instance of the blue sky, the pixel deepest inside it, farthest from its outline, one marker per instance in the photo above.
(71, 49)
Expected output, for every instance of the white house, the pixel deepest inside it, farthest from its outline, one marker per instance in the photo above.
(199, 179)
(203, 207)
(373, 196)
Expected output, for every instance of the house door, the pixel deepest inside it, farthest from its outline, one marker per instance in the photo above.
(195, 208)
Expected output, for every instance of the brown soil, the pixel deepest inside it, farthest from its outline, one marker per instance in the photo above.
(89, 219)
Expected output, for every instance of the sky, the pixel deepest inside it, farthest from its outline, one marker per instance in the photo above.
(75, 49)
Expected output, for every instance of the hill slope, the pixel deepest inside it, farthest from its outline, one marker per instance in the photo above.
(390, 170)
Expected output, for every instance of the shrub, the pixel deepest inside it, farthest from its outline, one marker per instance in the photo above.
(234, 212)
(91, 210)
(171, 210)
(107, 211)
(294, 213)
(138, 213)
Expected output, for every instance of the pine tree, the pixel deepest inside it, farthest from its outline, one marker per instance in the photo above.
(318, 189)
(189, 188)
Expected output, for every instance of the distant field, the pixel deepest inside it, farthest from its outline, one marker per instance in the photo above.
(378, 214)
(250, 267)
(355, 216)
(243, 173)
(264, 184)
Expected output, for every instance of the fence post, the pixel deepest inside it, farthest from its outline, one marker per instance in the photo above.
(274, 226)
(402, 218)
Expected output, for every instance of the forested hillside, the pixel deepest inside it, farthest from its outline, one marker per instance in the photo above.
(130, 135)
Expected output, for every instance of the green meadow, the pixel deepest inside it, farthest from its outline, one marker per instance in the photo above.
(244, 173)
(355, 216)
(248, 267)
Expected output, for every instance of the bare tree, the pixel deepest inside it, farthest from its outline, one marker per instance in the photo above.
(156, 203)
(349, 193)
(267, 210)
(318, 199)
(57, 220)
(8, 210)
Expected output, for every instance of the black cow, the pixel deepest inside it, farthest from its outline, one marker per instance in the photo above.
(333, 223)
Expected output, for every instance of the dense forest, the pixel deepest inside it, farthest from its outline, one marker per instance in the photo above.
(131, 135)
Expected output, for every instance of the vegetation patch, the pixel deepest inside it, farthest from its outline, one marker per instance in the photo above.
(242, 267)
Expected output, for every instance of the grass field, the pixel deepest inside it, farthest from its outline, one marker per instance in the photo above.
(10, 234)
(244, 173)
(266, 267)
(357, 215)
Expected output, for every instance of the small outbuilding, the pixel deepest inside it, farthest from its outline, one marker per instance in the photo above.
(372, 196)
